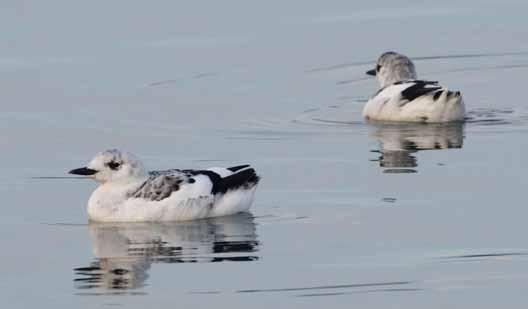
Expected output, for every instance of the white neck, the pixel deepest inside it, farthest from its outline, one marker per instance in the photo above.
(107, 198)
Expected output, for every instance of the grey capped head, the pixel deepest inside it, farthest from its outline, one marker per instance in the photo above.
(113, 165)
(392, 67)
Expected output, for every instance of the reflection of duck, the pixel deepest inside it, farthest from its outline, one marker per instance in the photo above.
(125, 252)
(398, 142)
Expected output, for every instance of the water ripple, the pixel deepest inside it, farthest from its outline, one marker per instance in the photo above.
(419, 58)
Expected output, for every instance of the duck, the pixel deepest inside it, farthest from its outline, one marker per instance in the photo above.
(403, 97)
(127, 192)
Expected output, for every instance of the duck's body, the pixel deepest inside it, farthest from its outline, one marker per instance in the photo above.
(175, 195)
(404, 98)
(415, 101)
(171, 195)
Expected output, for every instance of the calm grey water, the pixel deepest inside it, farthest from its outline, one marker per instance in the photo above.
(348, 214)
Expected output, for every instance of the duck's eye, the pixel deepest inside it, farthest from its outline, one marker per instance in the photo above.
(113, 165)
(378, 67)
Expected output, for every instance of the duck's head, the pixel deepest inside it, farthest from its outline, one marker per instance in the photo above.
(392, 67)
(113, 165)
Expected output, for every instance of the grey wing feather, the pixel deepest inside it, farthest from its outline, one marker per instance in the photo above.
(161, 184)
(172, 172)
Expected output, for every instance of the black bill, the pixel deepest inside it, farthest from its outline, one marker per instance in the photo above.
(83, 171)
(371, 72)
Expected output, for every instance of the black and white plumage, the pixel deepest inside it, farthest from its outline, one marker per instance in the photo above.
(161, 184)
(402, 97)
(129, 193)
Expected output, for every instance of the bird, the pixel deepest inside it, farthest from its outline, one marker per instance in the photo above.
(127, 192)
(403, 97)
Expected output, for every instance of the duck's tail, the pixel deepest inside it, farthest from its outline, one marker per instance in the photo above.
(452, 104)
(447, 96)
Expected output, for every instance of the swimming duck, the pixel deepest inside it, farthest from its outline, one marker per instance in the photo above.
(128, 192)
(403, 97)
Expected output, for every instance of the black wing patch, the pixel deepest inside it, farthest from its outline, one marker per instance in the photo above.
(419, 89)
(237, 168)
(214, 177)
(244, 179)
(426, 82)
(161, 184)
(437, 95)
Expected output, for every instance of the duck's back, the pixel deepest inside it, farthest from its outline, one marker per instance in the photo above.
(415, 101)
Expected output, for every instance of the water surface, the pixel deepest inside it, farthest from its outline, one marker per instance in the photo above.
(347, 214)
